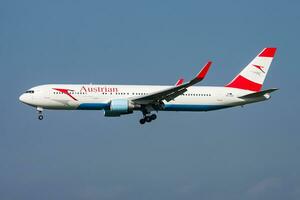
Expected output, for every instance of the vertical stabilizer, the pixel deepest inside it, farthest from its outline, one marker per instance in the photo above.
(253, 75)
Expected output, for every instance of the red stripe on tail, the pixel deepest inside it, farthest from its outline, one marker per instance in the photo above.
(245, 84)
(268, 52)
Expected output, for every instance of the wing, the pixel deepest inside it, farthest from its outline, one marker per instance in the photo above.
(172, 92)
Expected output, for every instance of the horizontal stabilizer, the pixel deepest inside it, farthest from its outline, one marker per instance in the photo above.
(258, 94)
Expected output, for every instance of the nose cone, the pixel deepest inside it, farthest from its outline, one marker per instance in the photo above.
(22, 98)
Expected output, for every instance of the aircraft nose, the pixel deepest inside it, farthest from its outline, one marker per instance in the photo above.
(22, 98)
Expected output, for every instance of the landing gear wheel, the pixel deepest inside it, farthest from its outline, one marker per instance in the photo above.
(40, 113)
(142, 121)
(148, 119)
(153, 117)
(41, 117)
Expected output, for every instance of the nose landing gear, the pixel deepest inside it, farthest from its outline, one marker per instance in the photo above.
(41, 117)
(40, 113)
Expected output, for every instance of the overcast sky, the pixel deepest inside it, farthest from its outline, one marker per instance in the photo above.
(247, 153)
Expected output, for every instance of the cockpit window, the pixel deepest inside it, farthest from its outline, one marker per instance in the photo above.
(29, 91)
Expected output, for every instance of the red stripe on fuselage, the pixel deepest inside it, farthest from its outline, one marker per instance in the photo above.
(65, 91)
(245, 84)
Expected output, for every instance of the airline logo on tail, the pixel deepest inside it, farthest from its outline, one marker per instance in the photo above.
(253, 75)
(260, 68)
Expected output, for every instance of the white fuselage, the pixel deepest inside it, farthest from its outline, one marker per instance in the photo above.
(98, 97)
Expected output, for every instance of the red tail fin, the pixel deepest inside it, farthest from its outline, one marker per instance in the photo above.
(253, 75)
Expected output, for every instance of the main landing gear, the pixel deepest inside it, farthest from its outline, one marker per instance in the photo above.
(148, 118)
(40, 113)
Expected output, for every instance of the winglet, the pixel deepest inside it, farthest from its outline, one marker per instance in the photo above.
(179, 82)
(204, 71)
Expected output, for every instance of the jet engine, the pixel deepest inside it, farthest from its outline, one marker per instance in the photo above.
(119, 107)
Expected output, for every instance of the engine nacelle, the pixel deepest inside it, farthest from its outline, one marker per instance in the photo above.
(119, 107)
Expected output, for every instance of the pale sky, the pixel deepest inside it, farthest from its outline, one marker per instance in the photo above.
(247, 153)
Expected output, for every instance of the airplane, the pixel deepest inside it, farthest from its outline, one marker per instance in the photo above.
(117, 100)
